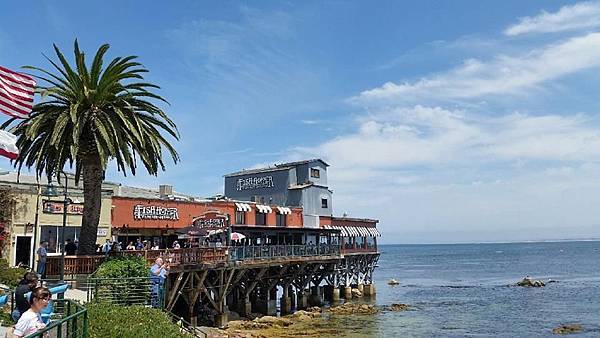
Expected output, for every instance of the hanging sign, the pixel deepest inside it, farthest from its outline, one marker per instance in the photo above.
(54, 207)
(210, 220)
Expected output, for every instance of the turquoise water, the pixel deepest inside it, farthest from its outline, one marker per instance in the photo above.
(461, 290)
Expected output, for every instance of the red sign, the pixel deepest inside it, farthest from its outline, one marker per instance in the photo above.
(52, 207)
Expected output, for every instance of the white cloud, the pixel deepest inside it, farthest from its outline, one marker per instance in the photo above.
(502, 75)
(583, 15)
(429, 136)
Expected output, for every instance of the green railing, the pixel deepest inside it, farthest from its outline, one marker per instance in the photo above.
(70, 320)
(126, 291)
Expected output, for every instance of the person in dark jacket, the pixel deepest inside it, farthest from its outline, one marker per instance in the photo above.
(27, 284)
(70, 248)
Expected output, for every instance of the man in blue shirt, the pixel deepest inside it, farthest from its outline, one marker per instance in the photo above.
(158, 274)
(42, 252)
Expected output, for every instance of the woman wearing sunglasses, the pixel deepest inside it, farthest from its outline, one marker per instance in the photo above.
(31, 321)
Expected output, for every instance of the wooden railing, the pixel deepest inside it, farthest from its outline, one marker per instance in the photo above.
(74, 265)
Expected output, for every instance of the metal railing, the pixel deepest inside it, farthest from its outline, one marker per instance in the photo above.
(70, 320)
(281, 251)
(126, 291)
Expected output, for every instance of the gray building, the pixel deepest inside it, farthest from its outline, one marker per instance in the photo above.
(294, 184)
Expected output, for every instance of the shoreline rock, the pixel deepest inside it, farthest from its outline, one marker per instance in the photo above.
(528, 282)
(354, 309)
(568, 329)
(398, 307)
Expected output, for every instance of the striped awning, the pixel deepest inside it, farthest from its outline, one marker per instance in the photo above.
(284, 210)
(265, 209)
(243, 207)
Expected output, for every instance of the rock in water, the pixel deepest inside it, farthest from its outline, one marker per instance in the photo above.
(528, 282)
(393, 282)
(356, 293)
(567, 329)
(398, 307)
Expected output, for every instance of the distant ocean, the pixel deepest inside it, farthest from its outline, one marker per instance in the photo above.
(461, 290)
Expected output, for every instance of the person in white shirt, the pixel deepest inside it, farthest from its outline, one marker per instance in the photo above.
(31, 321)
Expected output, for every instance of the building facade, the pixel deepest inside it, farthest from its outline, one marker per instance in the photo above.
(39, 217)
(294, 184)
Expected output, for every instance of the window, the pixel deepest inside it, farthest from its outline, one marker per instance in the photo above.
(315, 173)
(240, 217)
(281, 220)
(323, 203)
(261, 218)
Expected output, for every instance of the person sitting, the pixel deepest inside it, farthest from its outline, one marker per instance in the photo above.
(70, 247)
(31, 321)
(27, 284)
(130, 246)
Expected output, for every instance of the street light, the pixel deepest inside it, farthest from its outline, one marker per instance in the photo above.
(51, 191)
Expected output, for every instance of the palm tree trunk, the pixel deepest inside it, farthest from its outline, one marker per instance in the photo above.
(93, 175)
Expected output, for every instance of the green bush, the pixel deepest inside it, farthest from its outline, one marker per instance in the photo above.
(123, 267)
(122, 281)
(107, 320)
(5, 318)
(10, 276)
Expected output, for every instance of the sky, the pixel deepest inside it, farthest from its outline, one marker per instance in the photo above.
(450, 122)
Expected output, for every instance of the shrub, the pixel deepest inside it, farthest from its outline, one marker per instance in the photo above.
(107, 320)
(10, 276)
(123, 281)
(123, 267)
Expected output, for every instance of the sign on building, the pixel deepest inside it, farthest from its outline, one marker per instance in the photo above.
(254, 183)
(210, 220)
(52, 207)
(154, 212)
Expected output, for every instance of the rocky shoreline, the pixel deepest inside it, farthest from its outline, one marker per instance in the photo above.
(312, 322)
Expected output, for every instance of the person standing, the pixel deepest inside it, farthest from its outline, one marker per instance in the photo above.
(27, 284)
(42, 253)
(139, 245)
(176, 245)
(31, 321)
(70, 247)
(106, 247)
(158, 274)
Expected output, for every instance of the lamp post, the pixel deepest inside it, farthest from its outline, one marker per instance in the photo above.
(64, 226)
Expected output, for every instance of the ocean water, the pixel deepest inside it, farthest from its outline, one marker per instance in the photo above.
(461, 291)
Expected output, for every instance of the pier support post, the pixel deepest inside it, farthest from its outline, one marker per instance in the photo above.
(221, 319)
(369, 290)
(315, 296)
(335, 295)
(286, 302)
(292, 295)
(302, 300)
(245, 307)
(361, 287)
(328, 292)
(347, 292)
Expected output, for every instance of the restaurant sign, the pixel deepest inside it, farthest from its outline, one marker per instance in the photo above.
(255, 183)
(210, 220)
(54, 207)
(154, 212)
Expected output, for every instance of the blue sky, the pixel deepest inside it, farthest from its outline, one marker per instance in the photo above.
(452, 121)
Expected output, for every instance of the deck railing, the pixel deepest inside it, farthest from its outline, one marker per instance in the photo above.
(359, 249)
(74, 265)
(238, 253)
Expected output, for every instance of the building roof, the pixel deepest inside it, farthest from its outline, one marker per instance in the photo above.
(275, 167)
(147, 193)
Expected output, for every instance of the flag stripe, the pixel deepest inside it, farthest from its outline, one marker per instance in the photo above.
(8, 154)
(16, 93)
(24, 78)
(16, 86)
(21, 103)
(10, 110)
(8, 145)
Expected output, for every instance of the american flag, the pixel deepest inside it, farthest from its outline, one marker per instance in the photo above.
(16, 93)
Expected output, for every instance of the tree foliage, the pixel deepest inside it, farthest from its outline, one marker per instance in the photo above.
(88, 116)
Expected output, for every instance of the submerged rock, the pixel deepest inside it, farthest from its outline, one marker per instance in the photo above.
(350, 309)
(567, 329)
(393, 282)
(270, 320)
(398, 307)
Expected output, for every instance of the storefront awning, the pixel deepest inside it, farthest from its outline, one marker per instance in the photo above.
(284, 210)
(265, 209)
(243, 207)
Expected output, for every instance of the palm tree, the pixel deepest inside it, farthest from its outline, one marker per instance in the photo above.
(90, 116)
